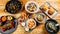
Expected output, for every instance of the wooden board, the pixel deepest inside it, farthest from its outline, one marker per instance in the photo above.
(40, 28)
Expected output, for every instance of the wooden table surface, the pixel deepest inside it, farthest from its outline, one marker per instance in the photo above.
(40, 28)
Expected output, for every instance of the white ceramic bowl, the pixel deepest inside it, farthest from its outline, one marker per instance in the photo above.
(43, 19)
(34, 3)
(31, 20)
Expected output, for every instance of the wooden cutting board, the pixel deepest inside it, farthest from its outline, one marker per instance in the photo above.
(40, 28)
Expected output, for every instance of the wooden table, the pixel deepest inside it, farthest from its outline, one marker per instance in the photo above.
(40, 28)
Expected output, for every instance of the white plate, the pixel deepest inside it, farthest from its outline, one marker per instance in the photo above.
(42, 20)
(48, 4)
(34, 3)
(31, 20)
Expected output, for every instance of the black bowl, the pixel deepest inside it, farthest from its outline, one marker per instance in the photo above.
(13, 7)
(56, 25)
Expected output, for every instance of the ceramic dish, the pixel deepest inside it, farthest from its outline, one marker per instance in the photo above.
(48, 10)
(13, 6)
(31, 23)
(40, 17)
(21, 22)
(7, 26)
(31, 7)
(52, 26)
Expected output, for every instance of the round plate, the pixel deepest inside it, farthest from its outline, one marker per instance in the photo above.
(49, 29)
(43, 19)
(34, 3)
(13, 9)
(31, 20)
(12, 29)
